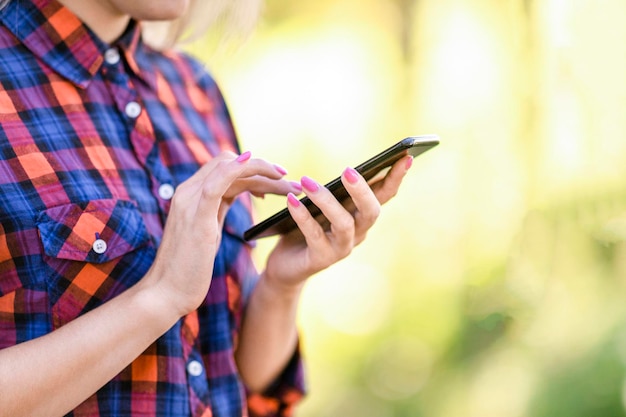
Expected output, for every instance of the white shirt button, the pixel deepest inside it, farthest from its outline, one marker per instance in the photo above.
(132, 109)
(194, 368)
(166, 191)
(99, 246)
(112, 56)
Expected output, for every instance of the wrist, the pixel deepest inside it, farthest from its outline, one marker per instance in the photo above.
(155, 302)
(278, 289)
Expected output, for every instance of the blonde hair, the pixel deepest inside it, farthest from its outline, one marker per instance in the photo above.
(231, 18)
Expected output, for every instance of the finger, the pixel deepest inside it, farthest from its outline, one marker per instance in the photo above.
(260, 186)
(387, 188)
(188, 191)
(217, 182)
(365, 201)
(205, 169)
(254, 167)
(341, 221)
(313, 233)
(190, 188)
(261, 167)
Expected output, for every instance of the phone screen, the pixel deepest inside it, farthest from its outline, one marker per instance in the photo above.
(372, 170)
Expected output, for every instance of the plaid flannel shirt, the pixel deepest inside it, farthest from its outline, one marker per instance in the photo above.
(94, 139)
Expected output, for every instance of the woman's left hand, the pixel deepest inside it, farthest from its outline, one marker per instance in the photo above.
(312, 248)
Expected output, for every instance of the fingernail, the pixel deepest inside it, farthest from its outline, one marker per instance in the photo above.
(409, 162)
(309, 184)
(296, 185)
(292, 200)
(244, 157)
(281, 170)
(351, 175)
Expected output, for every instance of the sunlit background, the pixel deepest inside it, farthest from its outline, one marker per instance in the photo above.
(493, 284)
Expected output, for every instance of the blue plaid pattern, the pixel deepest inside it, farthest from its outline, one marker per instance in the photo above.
(86, 144)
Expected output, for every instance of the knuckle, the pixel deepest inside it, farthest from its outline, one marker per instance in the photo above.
(209, 190)
(174, 201)
(225, 171)
(372, 215)
(345, 250)
(386, 195)
(221, 164)
(179, 196)
(345, 224)
(316, 232)
(228, 154)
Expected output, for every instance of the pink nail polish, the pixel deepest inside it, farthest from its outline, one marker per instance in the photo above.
(244, 157)
(296, 185)
(351, 175)
(409, 162)
(309, 184)
(292, 200)
(281, 170)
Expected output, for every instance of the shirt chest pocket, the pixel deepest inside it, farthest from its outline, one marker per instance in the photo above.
(93, 251)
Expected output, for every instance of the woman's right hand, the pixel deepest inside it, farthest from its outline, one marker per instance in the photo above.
(183, 266)
(104, 340)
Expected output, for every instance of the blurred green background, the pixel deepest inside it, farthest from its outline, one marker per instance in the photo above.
(493, 284)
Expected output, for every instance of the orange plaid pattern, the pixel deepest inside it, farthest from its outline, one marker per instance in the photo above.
(81, 215)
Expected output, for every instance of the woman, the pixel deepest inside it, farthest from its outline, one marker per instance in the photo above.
(125, 286)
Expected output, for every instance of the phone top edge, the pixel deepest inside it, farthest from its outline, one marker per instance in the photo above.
(421, 140)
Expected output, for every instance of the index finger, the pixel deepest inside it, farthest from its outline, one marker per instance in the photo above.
(217, 181)
(253, 167)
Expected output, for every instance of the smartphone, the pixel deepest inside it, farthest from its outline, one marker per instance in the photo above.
(372, 170)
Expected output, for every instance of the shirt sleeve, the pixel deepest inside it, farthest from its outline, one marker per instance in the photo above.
(280, 399)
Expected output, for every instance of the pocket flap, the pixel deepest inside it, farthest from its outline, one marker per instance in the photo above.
(96, 231)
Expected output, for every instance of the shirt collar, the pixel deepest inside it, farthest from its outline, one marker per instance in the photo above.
(59, 38)
(130, 43)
